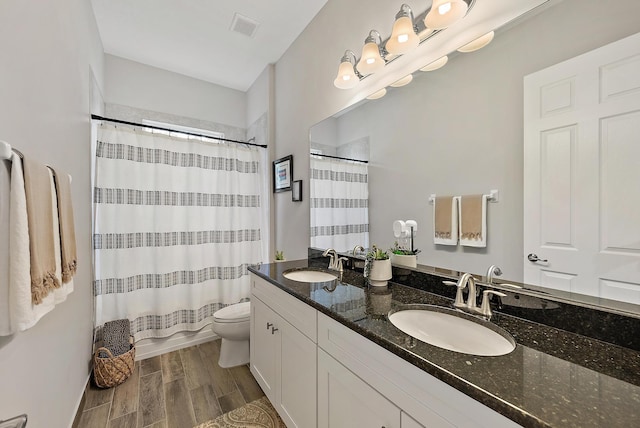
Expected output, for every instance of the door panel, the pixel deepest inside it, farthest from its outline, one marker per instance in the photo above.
(581, 173)
(297, 378)
(346, 401)
(263, 349)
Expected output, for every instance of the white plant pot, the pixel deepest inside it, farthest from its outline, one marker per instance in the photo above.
(404, 260)
(280, 261)
(380, 272)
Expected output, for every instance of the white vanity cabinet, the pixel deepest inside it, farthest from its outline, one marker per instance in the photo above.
(302, 359)
(420, 399)
(283, 357)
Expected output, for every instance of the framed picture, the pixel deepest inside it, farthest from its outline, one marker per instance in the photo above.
(282, 173)
(296, 191)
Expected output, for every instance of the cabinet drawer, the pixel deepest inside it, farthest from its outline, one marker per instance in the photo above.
(297, 313)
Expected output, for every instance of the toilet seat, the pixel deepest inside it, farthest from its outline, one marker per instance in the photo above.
(233, 313)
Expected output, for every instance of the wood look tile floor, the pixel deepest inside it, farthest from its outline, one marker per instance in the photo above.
(180, 389)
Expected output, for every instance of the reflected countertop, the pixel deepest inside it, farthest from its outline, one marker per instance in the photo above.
(552, 379)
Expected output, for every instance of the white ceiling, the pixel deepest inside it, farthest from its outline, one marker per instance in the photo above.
(193, 37)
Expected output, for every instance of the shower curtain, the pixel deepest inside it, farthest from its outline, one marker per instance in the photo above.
(176, 224)
(339, 203)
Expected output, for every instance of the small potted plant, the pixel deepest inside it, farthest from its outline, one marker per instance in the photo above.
(279, 256)
(377, 267)
(404, 257)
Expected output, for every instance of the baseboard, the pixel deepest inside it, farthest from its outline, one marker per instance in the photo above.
(80, 405)
(147, 348)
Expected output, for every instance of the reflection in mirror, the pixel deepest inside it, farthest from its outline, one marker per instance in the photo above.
(338, 188)
(459, 131)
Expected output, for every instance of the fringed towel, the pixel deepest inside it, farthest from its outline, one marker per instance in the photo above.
(473, 221)
(445, 220)
(67, 228)
(24, 313)
(40, 217)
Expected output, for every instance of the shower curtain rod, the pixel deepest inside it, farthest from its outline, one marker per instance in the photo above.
(338, 157)
(142, 125)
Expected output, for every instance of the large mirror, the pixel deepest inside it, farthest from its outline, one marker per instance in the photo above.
(459, 131)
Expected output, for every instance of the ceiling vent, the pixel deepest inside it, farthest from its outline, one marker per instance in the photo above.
(243, 25)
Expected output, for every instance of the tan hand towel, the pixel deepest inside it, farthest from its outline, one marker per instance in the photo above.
(67, 228)
(443, 217)
(471, 217)
(37, 186)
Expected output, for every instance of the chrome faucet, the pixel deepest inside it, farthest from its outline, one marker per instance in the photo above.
(485, 307)
(333, 258)
(493, 270)
(466, 280)
(338, 264)
(357, 248)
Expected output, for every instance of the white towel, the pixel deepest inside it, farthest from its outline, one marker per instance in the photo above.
(476, 242)
(5, 189)
(453, 240)
(24, 314)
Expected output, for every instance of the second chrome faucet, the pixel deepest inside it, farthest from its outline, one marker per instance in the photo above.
(468, 281)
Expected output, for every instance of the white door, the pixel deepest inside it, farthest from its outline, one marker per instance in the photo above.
(582, 173)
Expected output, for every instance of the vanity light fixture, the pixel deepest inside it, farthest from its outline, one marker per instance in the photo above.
(379, 94)
(478, 43)
(407, 34)
(443, 13)
(403, 37)
(404, 81)
(371, 60)
(439, 63)
(347, 77)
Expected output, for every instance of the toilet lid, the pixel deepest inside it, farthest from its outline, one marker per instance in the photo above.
(237, 312)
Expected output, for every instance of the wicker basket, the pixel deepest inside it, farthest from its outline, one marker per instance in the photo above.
(112, 370)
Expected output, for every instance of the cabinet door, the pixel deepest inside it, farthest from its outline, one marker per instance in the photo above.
(263, 350)
(346, 401)
(297, 394)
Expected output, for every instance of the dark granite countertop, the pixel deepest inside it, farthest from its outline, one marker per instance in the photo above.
(553, 378)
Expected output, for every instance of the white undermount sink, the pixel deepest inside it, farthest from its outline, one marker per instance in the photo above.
(452, 330)
(309, 275)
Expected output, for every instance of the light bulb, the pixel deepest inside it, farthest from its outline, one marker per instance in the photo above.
(404, 81)
(443, 13)
(370, 60)
(381, 93)
(346, 78)
(444, 8)
(439, 63)
(403, 37)
(478, 43)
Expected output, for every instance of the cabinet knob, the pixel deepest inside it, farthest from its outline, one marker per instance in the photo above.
(269, 325)
(273, 330)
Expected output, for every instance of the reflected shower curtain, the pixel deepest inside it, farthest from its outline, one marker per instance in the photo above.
(177, 223)
(339, 199)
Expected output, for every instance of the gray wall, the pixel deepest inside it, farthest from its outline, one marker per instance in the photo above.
(459, 133)
(141, 86)
(49, 51)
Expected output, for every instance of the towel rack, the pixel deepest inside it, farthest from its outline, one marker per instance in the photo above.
(5, 153)
(493, 196)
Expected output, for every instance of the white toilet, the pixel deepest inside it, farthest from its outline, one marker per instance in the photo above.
(231, 323)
